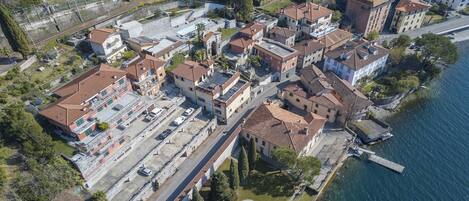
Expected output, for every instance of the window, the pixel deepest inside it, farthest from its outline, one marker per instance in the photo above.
(201, 100)
(182, 79)
(329, 110)
(317, 105)
(121, 81)
(103, 93)
(110, 101)
(297, 100)
(248, 136)
(88, 131)
(327, 116)
(315, 111)
(190, 89)
(80, 121)
(263, 143)
(256, 139)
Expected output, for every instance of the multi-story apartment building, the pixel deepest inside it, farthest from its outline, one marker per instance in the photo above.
(280, 58)
(453, 4)
(106, 44)
(332, 98)
(368, 15)
(283, 35)
(309, 52)
(409, 15)
(221, 93)
(356, 59)
(272, 127)
(312, 51)
(146, 74)
(101, 95)
(254, 31)
(313, 94)
(307, 19)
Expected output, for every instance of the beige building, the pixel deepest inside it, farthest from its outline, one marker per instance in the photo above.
(146, 74)
(409, 15)
(221, 93)
(368, 15)
(282, 35)
(329, 97)
(272, 127)
(309, 52)
(307, 19)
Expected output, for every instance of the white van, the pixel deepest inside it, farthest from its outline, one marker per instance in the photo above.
(178, 121)
(156, 112)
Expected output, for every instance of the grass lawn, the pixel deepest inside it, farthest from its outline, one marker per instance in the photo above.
(265, 184)
(228, 33)
(433, 19)
(276, 5)
(63, 148)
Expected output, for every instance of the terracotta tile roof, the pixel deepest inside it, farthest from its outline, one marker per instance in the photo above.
(253, 28)
(309, 10)
(307, 47)
(70, 106)
(327, 99)
(142, 65)
(335, 37)
(207, 36)
(192, 70)
(283, 128)
(100, 35)
(412, 6)
(241, 42)
(281, 31)
(315, 80)
(357, 54)
(343, 86)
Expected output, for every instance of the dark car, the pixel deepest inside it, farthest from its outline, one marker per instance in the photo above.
(164, 134)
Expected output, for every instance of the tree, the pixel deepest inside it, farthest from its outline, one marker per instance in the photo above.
(200, 30)
(245, 10)
(373, 35)
(99, 196)
(336, 16)
(243, 166)
(285, 156)
(254, 61)
(19, 126)
(396, 55)
(308, 167)
(220, 190)
(199, 55)
(5, 52)
(196, 195)
(234, 175)
(128, 55)
(13, 32)
(402, 41)
(252, 154)
(3, 179)
(436, 48)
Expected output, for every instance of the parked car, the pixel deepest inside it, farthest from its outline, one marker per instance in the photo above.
(153, 114)
(165, 134)
(123, 126)
(145, 171)
(188, 111)
(178, 121)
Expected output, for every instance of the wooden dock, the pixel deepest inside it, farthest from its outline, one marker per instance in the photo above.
(386, 163)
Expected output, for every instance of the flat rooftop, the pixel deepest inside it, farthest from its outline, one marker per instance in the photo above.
(217, 79)
(276, 48)
(232, 91)
(370, 128)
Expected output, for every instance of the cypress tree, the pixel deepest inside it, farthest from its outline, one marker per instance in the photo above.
(13, 32)
(246, 8)
(234, 175)
(220, 189)
(252, 154)
(243, 166)
(196, 195)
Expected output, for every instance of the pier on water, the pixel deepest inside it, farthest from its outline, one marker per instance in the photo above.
(371, 155)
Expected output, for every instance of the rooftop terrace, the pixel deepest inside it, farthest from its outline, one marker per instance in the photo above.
(276, 48)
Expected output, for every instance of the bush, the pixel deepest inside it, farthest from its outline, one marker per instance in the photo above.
(128, 55)
(102, 126)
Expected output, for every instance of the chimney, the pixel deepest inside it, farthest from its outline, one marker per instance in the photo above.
(114, 76)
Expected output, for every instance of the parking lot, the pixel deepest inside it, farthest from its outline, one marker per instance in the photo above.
(167, 153)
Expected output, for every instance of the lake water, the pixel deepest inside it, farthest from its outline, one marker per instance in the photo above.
(431, 139)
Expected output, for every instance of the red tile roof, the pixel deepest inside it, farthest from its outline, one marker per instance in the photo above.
(412, 6)
(253, 28)
(192, 70)
(70, 106)
(143, 65)
(283, 128)
(241, 42)
(310, 11)
(100, 35)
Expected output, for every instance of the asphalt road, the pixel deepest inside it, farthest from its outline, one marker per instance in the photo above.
(174, 186)
(440, 28)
